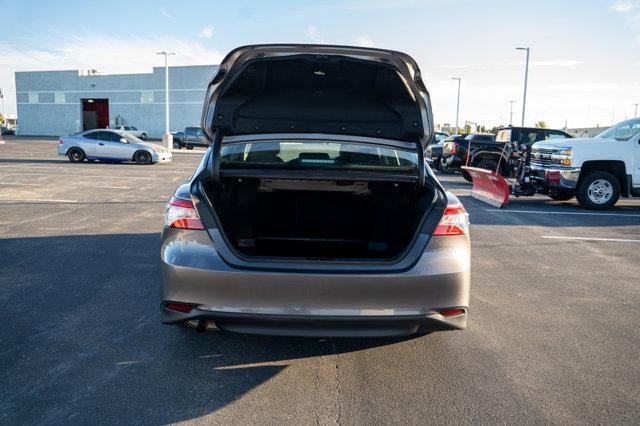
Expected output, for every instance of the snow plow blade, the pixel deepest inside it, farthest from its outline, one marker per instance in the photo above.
(488, 186)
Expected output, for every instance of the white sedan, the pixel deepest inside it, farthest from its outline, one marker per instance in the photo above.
(142, 134)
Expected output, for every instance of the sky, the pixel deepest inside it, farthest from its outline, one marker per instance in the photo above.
(585, 55)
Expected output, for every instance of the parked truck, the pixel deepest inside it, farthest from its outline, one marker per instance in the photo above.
(597, 171)
(192, 136)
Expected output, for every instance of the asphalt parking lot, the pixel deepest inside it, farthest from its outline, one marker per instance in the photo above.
(552, 338)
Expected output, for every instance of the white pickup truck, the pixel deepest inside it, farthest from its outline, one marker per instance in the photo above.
(597, 171)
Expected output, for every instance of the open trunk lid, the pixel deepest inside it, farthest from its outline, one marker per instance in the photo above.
(340, 90)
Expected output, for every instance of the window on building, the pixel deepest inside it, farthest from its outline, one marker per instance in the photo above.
(146, 96)
(58, 97)
(33, 97)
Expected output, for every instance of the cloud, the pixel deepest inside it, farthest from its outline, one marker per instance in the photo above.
(110, 54)
(624, 6)
(206, 32)
(166, 14)
(363, 41)
(314, 34)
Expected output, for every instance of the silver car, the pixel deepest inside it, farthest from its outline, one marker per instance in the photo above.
(110, 145)
(313, 212)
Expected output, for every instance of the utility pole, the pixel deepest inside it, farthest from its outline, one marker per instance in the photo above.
(167, 138)
(511, 112)
(526, 77)
(458, 104)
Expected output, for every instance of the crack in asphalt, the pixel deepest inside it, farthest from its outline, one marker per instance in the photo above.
(338, 384)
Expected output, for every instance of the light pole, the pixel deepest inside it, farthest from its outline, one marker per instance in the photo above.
(458, 104)
(526, 76)
(511, 112)
(166, 138)
(635, 112)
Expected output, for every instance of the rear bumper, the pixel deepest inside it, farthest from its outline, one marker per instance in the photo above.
(302, 303)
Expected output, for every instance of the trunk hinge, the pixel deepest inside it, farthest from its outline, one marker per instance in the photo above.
(422, 164)
(216, 147)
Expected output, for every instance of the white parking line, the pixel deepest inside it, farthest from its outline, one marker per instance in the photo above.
(617, 240)
(569, 213)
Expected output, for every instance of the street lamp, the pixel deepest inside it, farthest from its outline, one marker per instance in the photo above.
(526, 76)
(511, 112)
(166, 138)
(635, 112)
(458, 104)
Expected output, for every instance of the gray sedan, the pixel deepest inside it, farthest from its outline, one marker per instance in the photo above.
(110, 145)
(313, 212)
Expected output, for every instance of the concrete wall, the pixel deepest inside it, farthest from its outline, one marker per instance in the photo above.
(46, 117)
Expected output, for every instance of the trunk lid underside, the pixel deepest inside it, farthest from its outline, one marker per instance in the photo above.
(318, 89)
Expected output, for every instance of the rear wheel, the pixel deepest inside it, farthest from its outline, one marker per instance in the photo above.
(143, 157)
(143, 136)
(598, 190)
(76, 155)
(177, 145)
(189, 146)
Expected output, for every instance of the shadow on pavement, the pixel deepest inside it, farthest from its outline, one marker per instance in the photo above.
(82, 338)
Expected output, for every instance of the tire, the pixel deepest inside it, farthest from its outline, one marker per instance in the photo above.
(487, 165)
(189, 146)
(467, 176)
(143, 136)
(143, 157)
(76, 155)
(177, 145)
(561, 194)
(439, 163)
(598, 190)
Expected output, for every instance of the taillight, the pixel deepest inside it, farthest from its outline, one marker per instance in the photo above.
(455, 221)
(181, 214)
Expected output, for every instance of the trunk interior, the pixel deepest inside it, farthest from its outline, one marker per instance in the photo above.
(319, 219)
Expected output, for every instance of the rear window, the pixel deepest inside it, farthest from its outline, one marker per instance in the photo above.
(504, 136)
(319, 155)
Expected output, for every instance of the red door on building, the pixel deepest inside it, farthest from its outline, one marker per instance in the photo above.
(95, 114)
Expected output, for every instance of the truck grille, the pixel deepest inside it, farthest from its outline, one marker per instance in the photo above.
(541, 156)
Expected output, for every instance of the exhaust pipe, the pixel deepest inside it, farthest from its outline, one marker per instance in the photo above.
(202, 325)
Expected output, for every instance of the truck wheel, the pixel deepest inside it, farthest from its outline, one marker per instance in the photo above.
(467, 176)
(561, 194)
(598, 190)
(487, 165)
(438, 163)
(189, 146)
(177, 145)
